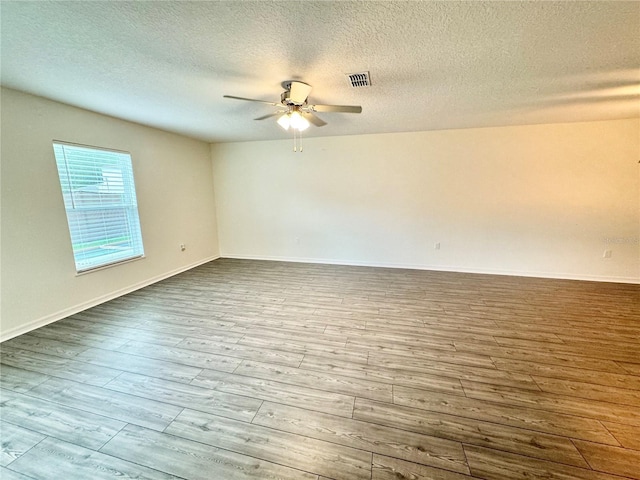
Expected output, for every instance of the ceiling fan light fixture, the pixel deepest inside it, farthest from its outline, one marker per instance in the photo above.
(284, 121)
(293, 120)
(298, 122)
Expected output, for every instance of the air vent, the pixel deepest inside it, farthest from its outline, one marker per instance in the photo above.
(359, 79)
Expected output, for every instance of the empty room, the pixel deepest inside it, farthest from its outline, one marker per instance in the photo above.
(330, 240)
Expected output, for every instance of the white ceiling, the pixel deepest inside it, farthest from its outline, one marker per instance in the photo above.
(434, 65)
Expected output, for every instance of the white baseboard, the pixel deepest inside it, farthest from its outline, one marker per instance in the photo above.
(53, 317)
(441, 268)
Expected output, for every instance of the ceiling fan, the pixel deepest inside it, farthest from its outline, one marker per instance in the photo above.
(294, 109)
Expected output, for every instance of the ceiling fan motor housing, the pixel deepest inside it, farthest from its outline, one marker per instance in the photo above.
(285, 98)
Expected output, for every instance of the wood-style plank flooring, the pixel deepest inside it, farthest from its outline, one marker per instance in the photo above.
(266, 370)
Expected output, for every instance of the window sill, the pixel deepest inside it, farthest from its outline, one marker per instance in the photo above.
(109, 265)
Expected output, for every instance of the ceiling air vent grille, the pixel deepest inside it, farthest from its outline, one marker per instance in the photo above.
(359, 79)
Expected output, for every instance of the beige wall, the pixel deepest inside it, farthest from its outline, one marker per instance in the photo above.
(540, 200)
(175, 197)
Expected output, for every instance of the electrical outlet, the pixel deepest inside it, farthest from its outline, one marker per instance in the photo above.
(183, 247)
(606, 254)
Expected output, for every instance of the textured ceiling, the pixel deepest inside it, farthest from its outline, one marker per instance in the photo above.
(434, 65)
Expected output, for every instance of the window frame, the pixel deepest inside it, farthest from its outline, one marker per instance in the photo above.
(110, 216)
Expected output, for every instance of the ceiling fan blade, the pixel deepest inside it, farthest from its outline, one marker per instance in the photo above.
(269, 115)
(317, 121)
(252, 100)
(336, 108)
(299, 92)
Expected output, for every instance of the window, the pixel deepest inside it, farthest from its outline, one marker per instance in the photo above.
(100, 200)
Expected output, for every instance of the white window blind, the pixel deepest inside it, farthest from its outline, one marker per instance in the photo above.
(100, 200)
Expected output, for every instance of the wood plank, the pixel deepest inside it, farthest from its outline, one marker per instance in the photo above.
(629, 367)
(433, 328)
(279, 324)
(464, 430)
(491, 464)
(269, 390)
(625, 343)
(456, 358)
(304, 346)
(45, 345)
(181, 356)
(180, 323)
(20, 380)
(410, 446)
(453, 370)
(303, 333)
(242, 351)
(16, 441)
(6, 474)
(614, 460)
(120, 406)
(485, 333)
(108, 314)
(627, 435)
(552, 402)
(389, 468)
(48, 418)
(619, 396)
(533, 355)
(530, 419)
(380, 340)
(53, 459)
(156, 335)
(64, 334)
(184, 395)
(193, 460)
(399, 348)
(608, 352)
(301, 452)
(57, 366)
(142, 365)
(395, 376)
(329, 382)
(568, 373)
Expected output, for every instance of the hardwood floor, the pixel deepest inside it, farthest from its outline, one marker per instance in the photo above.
(266, 370)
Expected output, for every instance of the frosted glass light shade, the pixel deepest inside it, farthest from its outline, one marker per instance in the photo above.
(298, 122)
(284, 121)
(293, 120)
